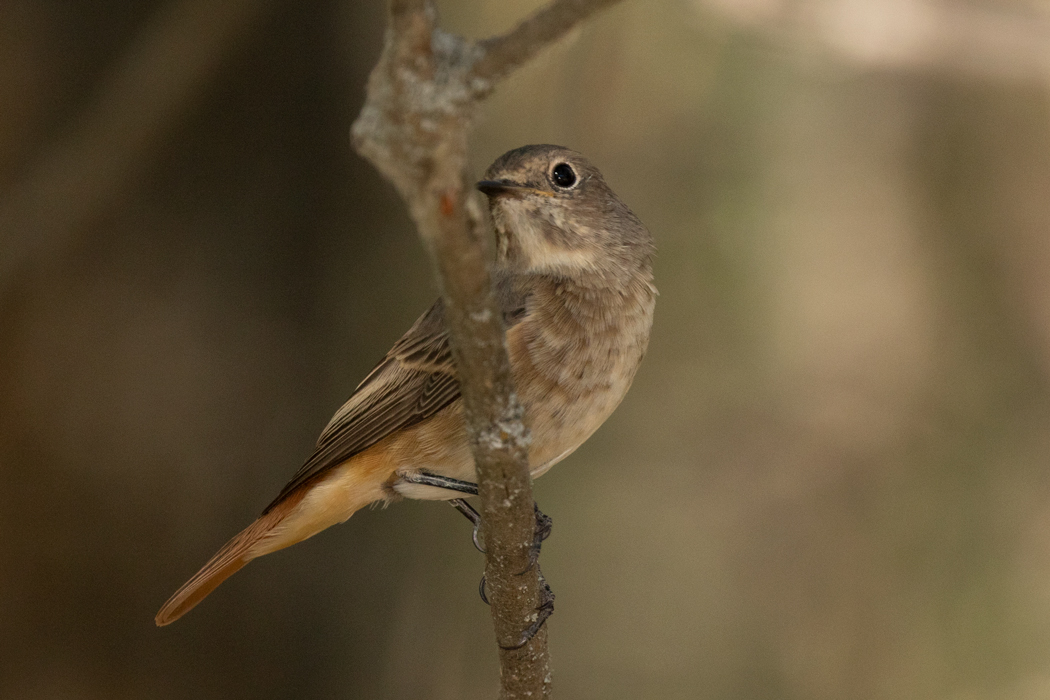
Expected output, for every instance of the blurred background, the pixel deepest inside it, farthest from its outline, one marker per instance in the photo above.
(830, 479)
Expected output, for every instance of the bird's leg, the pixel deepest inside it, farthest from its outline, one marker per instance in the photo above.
(543, 521)
(446, 482)
(473, 516)
(541, 532)
(544, 524)
(441, 482)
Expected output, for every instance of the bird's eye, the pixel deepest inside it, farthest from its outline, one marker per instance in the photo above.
(563, 175)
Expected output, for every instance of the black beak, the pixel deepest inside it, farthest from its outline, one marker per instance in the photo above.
(494, 188)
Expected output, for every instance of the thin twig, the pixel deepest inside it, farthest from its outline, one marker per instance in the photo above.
(505, 53)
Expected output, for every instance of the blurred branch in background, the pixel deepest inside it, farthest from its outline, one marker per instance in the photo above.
(414, 126)
(1009, 43)
(149, 90)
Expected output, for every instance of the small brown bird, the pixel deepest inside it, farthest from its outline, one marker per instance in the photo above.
(573, 273)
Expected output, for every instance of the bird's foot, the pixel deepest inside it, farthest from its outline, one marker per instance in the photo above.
(473, 516)
(544, 525)
(543, 611)
(541, 532)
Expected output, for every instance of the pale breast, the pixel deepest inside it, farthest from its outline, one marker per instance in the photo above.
(574, 355)
(574, 358)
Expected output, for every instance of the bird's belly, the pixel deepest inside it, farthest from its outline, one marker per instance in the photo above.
(559, 422)
(567, 389)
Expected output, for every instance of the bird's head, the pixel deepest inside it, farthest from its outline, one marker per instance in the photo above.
(553, 213)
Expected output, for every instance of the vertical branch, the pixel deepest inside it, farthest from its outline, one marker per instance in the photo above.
(420, 105)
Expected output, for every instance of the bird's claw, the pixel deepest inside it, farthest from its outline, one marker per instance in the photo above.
(473, 516)
(544, 611)
(544, 525)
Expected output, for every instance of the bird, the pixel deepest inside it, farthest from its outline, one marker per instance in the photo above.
(573, 277)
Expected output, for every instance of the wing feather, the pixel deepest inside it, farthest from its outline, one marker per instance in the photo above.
(415, 380)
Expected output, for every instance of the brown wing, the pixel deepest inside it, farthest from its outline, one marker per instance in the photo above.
(415, 380)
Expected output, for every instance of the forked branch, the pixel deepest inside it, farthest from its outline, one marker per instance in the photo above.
(421, 102)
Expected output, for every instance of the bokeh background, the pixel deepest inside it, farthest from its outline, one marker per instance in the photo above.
(830, 479)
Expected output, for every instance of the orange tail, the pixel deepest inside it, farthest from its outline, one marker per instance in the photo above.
(302, 513)
(226, 562)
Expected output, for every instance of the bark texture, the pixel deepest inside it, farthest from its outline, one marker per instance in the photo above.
(414, 127)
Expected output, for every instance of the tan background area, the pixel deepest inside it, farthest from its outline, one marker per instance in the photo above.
(830, 479)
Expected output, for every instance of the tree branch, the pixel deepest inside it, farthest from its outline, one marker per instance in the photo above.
(420, 105)
(505, 53)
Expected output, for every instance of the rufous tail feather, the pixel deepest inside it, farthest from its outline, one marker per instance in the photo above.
(304, 512)
(226, 562)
